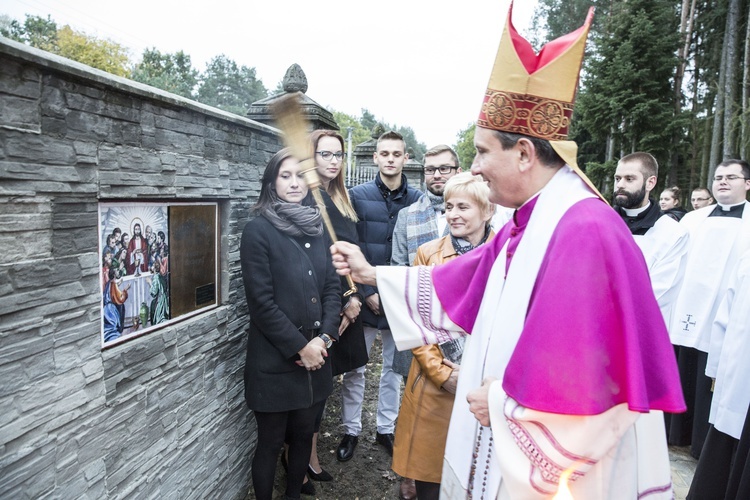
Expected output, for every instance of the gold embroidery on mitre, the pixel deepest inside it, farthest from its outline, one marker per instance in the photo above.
(548, 118)
(526, 114)
(499, 110)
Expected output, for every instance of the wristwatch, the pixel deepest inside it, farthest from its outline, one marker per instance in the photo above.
(327, 340)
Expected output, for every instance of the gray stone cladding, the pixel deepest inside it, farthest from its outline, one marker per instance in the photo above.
(160, 416)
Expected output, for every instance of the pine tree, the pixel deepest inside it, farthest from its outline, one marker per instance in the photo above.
(230, 87)
(626, 98)
(171, 72)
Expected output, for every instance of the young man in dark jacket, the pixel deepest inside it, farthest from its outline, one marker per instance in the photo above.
(377, 204)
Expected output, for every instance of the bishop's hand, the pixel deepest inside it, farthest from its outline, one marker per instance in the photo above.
(349, 260)
(478, 400)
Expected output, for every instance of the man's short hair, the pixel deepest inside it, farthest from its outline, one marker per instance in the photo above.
(544, 150)
(649, 165)
(742, 163)
(391, 136)
(442, 148)
(704, 191)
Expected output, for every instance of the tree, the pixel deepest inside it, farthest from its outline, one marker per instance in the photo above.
(171, 72)
(465, 146)
(359, 133)
(230, 87)
(625, 102)
(102, 54)
(44, 34)
(368, 120)
(418, 149)
(730, 81)
(557, 17)
(36, 31)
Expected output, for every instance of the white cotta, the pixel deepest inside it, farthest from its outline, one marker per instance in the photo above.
(716, 244)
(730, 352)
(665, 247)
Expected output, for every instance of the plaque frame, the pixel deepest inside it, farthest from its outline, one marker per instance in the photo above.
(143, 296)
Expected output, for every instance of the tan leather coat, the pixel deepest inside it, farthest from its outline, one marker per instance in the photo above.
(422, 425)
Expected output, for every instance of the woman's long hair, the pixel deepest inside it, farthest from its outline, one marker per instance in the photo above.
(337, 187)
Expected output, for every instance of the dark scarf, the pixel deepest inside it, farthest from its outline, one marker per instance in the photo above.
(437, 201)
(294, 219)
(462, 246)
(641, 223)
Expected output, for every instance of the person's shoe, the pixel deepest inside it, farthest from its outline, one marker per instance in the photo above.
(345, 451)
(408, 489)
(386, 440)
(323, 475)
(308, 488)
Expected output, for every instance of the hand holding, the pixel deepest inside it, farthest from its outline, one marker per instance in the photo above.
(348, 259)
(352, 308)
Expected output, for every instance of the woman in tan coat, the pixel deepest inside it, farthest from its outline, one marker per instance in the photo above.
(428, 397)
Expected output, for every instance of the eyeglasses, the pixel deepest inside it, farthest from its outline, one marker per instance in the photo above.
(729, 178)
(327, 155)
(445, 170)
(699, 199)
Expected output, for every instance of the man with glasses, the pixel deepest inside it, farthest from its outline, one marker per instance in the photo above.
(377, 204)
(719, 235)
(419, 223)
(700, 198)
(424, 220)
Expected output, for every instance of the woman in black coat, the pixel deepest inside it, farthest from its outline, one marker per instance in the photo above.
(293, 296)
(350, 351)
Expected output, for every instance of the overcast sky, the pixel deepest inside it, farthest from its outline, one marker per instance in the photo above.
(418, 63)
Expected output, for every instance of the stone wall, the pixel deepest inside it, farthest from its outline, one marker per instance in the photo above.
(160, 416)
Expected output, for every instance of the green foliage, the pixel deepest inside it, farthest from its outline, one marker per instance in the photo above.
(230, 87)
(41, 33)
(36, 31)
(417, 148)
(627, 88)
(98, 53)
(368, 120)
(602, 175)
(44, 34)
(465, 147)
(557, 18)
(344, 121)
(363, 128)
(171, 72)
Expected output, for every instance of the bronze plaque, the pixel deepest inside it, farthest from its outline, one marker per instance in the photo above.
(193, 273)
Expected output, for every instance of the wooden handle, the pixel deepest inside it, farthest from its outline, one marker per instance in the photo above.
(291, 121)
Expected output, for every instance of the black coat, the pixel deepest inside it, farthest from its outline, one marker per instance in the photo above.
(377, 209)
(350, 352)
(289, 304)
